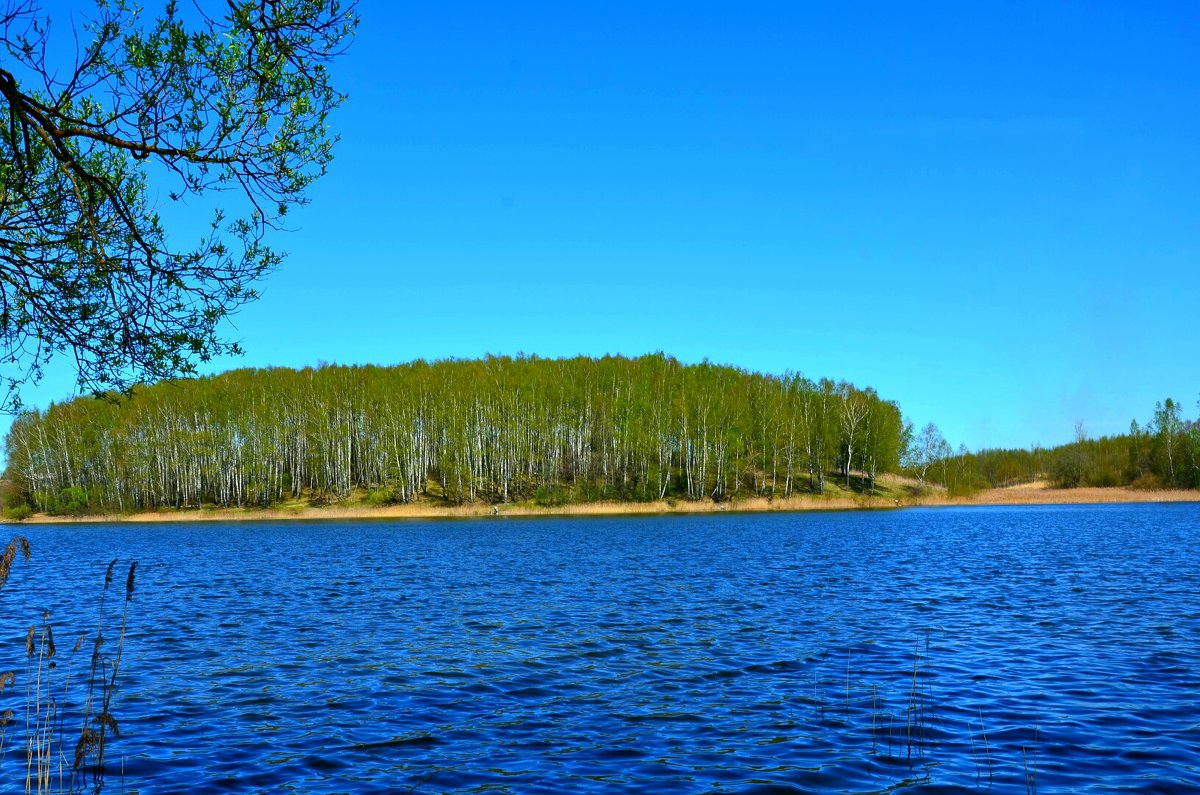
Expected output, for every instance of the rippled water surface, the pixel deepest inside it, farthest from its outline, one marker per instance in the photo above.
(1048, 649)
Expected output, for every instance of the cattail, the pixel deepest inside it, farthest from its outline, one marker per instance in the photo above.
(6, 679)
(49, 641)
(109, 722)
(29, 642)
(88, 739)
(129, 582)
(10, 554)
(79, 643)
(108, 574)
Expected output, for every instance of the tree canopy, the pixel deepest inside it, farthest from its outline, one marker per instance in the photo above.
(227, 97)
(1164, 452)
(495, 430)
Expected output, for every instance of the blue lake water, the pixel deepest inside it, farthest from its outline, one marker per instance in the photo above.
(1056, 649)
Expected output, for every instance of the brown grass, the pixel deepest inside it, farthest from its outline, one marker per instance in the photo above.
(1042, 494)
(896, 493)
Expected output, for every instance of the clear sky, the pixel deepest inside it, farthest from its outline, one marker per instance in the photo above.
(988, 211)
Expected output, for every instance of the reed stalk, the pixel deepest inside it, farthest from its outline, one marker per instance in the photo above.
(847, 705)
(874, 709)
(913, 698)
(48, 699)
(1030, 771)
(974, 751)
(986, 749)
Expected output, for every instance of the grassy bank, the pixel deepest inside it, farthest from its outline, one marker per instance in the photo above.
(892, 493)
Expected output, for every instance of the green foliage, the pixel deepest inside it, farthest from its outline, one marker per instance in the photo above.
(966, 486)
(1105, 476)
(550, 496)
(71, 501)
(496, 430)
(150, 105)
(381, 497)
(18, 513)
(1163, 453)
(13, 497)
(589, 490)
(1070, 467)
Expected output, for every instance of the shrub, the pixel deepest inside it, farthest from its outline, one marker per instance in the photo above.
(549, 496)
(1070, 468)
(381, 497)
(1147, 482)
(961, 488)
(71, 501)
(966, 484)
(18, 513)
(589, 490)
(1105, 477)
(12, 494)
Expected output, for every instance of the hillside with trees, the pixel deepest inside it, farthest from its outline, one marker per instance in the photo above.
(1163, 452)
(493, 430)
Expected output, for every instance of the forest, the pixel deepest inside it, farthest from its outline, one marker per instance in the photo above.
(1163, 452)
(497, 430)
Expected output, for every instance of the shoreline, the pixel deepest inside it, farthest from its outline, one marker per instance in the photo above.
(1032, 494)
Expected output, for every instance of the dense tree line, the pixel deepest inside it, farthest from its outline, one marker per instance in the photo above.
(1162, 452)
(497, 429)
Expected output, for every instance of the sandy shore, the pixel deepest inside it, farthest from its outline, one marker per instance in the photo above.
(1029, 494)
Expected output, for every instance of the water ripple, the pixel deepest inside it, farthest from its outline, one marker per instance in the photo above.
(1000, 650)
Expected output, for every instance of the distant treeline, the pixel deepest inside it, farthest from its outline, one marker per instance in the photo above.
(497, 429)
(1162, 453)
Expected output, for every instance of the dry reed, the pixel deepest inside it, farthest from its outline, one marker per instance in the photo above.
(48, 699)
(10, 554)
(986, 748)
(912, 717)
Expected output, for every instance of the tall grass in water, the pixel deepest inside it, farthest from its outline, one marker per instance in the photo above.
(918, 730)
(56, 759)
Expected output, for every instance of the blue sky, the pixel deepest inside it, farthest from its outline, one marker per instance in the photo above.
(987, 211)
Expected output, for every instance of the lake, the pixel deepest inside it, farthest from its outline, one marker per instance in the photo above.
(1016, 649)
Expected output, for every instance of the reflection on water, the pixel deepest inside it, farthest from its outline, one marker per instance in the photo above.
(924, 650)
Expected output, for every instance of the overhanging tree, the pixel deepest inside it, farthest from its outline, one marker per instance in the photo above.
(181, 104)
